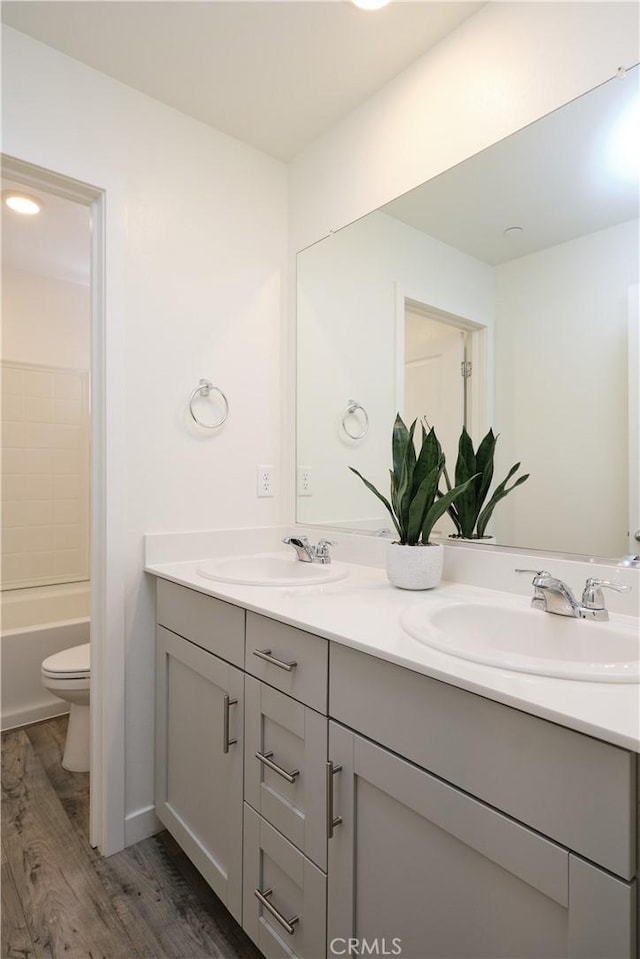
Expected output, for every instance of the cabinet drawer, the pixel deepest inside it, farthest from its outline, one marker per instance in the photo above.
(294, 888)
(290, 659)
(294, 738)
(216, 626)
(568, 786)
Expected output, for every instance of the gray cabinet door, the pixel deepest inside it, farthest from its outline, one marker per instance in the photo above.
(199, 712)
(287, 917)
(286, 786)
(429, 870)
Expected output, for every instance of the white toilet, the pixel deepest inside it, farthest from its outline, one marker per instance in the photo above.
(67, 675)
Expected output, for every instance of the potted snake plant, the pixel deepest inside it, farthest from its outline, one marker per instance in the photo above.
(415, 506)
(471, 511)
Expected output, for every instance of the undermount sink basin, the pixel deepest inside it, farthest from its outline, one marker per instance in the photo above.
(270, 569)
(528, 640)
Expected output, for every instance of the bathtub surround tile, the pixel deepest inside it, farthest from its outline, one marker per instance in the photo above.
(41, 566)
(67, 486)
(67, 563)
(67, 511)
(27, 513)
(68, 411)
(69, 386)
(149, 901)
(39, 462)
(39, 409)
(14, 380)
(67, 537)
(14, 408)
(29, 538)
(67, 463)
(15, 567)
(24, 487)
(45, 447)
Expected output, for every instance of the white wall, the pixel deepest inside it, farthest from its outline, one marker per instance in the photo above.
(564, 418)
(350, 287)
(195, 251)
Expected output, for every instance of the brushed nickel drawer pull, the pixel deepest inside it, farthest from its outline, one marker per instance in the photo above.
(226, 742)
(266, 760)
(268, 658)
(332, 820)
(263, 899)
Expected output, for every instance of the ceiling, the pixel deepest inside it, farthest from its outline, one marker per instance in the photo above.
(273, 74)
(56, 242)
(571, 173)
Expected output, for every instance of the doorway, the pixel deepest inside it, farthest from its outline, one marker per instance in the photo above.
(441, 376)
(55, 372)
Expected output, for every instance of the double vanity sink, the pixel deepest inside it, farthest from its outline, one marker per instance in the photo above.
(497, 629)
(327, 744)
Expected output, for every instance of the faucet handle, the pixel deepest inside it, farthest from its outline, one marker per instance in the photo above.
(536, 572)
(326, 542)
(592, 597)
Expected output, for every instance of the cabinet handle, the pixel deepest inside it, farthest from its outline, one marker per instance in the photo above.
(268, 658)
(263, 899)
(266, 760)
(226, 742)
(332, 820)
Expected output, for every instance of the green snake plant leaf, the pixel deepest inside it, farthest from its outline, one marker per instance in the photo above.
(430, 454)
(466, 506)
(408, 469)
(422, 502)
(484, 465)
(499, 493)
(441, 506)
(399, 441)
(382, 498)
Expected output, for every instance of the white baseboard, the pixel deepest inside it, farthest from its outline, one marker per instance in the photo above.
(33, 714)
(140, 825)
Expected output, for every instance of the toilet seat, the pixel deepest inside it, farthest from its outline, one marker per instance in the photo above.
(73, 663)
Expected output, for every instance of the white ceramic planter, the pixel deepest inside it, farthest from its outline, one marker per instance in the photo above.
(414, 567)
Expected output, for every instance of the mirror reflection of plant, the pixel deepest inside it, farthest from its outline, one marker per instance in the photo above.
(469, 514)
(416, 502)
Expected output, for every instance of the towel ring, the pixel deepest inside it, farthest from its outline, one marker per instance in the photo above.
(351, 410)
(204, 388)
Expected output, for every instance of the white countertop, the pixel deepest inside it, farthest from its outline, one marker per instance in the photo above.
(363, 611)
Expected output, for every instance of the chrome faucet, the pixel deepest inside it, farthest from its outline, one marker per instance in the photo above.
(551, 595)
(308, 553)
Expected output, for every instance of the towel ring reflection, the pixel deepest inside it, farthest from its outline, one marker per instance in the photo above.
(204, 388)
(351, 410)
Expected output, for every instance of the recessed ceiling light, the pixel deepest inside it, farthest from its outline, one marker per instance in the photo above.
(370, 4)
(22, 203)
(512, 230)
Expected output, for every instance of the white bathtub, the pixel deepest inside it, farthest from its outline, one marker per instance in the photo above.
(35, 624)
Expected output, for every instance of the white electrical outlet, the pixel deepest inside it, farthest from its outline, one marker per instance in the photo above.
(304, 481)
(266, 483)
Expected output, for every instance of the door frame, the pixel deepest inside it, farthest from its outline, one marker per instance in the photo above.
(107, 765)
(480, 400)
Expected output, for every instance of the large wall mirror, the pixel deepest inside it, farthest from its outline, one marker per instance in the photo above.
(501, 293)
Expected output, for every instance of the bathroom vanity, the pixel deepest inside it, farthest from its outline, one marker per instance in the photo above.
(329, 793)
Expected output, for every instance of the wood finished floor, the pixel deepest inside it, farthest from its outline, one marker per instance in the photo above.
(60, 898)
